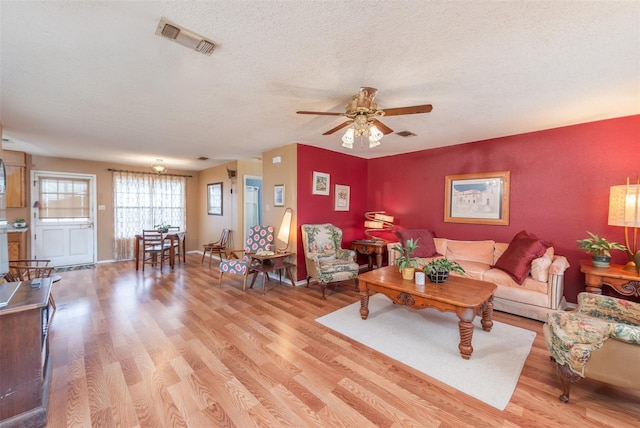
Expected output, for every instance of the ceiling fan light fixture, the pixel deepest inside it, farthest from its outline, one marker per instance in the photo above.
(348, 138)
(375, 133)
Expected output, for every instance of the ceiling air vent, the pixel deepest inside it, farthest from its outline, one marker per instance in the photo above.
(203, 158)
(406, 134)
(184, 37)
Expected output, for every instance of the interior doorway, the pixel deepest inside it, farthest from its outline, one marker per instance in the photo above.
(252, 204)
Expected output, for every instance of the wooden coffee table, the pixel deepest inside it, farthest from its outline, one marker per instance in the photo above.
(464, 296)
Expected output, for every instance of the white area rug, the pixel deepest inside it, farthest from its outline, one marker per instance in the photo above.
(427, 340)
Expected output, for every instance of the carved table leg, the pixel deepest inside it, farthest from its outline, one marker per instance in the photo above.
(567, 377)
(364, 304)
(466, 333)
(487, 315)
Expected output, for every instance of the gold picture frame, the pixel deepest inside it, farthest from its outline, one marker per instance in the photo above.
(479, 198)
(342, 198)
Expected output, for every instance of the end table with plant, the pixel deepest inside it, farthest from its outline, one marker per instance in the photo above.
(599, 248)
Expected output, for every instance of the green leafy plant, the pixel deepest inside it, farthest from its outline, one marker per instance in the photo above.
(19, 220)
(598, 246)
(163, 227)
(442, 265)
(405, 258)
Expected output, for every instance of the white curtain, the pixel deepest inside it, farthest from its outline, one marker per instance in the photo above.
(142, 201)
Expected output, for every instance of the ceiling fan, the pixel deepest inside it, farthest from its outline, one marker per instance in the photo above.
(363, 112)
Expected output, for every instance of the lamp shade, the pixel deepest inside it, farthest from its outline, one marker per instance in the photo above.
(285, 229)
(624, 205)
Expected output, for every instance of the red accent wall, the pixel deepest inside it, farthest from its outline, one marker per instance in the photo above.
(560, 181)
(313, 209)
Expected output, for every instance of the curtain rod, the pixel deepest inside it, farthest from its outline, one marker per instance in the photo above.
(149, 173)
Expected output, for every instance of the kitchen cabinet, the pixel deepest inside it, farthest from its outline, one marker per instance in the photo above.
(17, 242)
(15, 168)
(25, 371)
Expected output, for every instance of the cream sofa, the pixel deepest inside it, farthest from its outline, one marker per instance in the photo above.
(541, 291)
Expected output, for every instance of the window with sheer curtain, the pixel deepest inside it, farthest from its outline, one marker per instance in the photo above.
(142, 201)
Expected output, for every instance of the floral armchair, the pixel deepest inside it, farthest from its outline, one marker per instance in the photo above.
(600, 340)
(325, 260)
(260, 239)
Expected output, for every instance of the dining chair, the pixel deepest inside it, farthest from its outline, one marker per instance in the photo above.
(155, 246)
(216, 247)
(176, 241)
(30, 269)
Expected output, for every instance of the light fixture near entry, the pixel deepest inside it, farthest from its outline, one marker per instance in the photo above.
(158, 167)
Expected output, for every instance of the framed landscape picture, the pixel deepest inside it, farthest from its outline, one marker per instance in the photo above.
(481, 198)
(320, 183)
(214, 198)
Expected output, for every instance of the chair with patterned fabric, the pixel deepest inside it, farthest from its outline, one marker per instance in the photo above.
(324, 258)
(260, 239)
(600, 340)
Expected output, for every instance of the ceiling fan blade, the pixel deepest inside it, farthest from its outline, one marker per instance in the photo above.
(382, 127)
(339, 127)
(322, 113)
(426, 108)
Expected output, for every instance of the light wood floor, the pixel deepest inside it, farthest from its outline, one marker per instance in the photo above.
(133, 349)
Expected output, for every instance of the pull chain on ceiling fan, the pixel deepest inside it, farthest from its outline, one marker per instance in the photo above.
(363, 115)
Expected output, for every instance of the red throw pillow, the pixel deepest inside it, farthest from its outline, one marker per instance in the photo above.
(522, 250)
(426, 247)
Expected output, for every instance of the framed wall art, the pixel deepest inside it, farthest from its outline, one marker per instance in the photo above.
(214, 198)
(278, 195)
(343, 194)
(320, 183)
(481, 198)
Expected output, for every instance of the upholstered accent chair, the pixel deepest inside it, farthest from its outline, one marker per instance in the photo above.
(600, 340)
(260, 239)
(325, 260)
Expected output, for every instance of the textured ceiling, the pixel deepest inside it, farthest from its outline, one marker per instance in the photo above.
(91, 80)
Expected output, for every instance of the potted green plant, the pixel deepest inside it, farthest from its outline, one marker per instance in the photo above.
(599, 248)
(406, 263)
(438, 269)
(162, 227)
(19, 223)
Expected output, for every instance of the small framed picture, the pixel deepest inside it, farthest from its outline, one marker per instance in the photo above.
(278, 195)
(214, 198)
(320, 183)
(343, 194)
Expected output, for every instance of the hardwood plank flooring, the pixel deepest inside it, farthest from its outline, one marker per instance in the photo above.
(175, 349)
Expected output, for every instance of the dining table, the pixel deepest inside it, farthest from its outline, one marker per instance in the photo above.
(172, 237)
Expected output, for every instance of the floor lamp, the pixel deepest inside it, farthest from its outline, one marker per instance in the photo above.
(285, 230)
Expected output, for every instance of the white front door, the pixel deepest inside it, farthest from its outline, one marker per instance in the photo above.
(63, 217)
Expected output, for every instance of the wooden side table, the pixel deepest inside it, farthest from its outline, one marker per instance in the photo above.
(274, 262)
(368, 248)
(623, 281)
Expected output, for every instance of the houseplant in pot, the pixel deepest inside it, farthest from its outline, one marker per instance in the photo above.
(406, 263)
(438, 269)
(599, 248)
(19, 223)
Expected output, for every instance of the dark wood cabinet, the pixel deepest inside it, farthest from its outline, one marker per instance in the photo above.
(24, 356)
